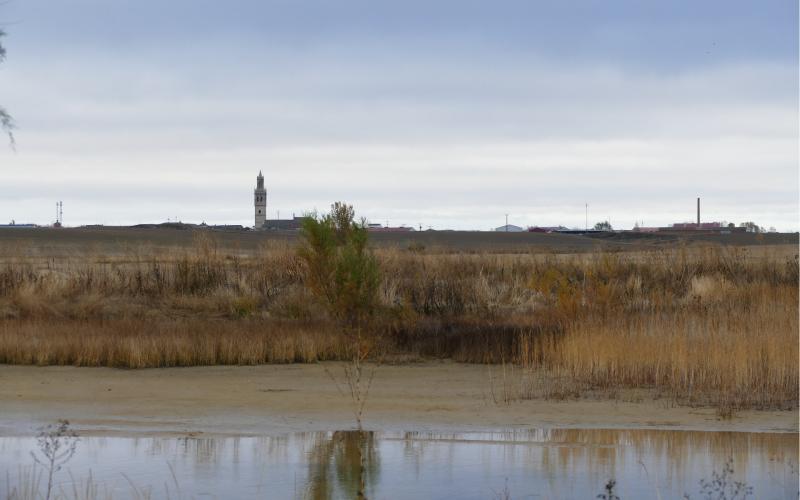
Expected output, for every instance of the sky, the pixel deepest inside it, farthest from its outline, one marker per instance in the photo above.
(446, 114)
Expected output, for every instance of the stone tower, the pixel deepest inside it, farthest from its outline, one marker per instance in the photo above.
(260, 201)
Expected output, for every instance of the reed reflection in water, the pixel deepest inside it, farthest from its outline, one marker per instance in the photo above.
(555, 463)
(343, 464)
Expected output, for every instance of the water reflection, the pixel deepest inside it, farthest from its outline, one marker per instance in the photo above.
(343, 464)
(547, 463)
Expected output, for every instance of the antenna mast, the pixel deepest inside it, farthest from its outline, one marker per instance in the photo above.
(59, 214)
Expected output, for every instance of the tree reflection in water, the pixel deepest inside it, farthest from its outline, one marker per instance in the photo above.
(343, 464)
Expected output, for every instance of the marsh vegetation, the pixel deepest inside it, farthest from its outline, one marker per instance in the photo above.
(701, 325)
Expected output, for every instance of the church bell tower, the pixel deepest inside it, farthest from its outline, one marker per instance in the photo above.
(260, 201)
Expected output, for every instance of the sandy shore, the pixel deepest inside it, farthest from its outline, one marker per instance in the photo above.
(284, 398)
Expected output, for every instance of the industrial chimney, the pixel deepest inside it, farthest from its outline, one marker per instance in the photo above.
(698, 213)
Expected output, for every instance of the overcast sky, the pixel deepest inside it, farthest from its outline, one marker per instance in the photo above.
(449, 113)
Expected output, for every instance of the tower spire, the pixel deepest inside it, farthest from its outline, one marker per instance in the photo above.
(260, 201)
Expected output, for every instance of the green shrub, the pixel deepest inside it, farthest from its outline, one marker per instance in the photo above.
(340, 270)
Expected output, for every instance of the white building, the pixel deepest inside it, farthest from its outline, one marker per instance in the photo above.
(509, 228)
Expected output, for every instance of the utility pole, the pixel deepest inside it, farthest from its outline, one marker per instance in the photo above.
(698, 212)
(506, 222)
(587, 218)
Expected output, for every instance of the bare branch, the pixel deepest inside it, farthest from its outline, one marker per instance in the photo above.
(6, 122)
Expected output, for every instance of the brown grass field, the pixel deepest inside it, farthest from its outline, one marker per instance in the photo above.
(695, 320)
(47, 242)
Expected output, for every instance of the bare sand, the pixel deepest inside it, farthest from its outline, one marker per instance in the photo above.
(272, 399)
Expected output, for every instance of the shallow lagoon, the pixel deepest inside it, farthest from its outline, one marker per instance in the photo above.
(540, 463)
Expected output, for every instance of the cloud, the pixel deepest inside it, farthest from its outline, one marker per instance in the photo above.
(442, 123)
(403, 100)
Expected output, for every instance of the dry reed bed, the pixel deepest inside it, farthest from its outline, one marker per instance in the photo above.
(135, 343)
(706, 325)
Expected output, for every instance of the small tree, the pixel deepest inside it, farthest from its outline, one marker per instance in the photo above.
(341, 271)
(344, 276)
(752, 227)
(603, 226)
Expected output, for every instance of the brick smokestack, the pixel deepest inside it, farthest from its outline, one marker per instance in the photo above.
(698, 213)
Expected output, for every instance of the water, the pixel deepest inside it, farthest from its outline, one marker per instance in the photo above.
(556, 463)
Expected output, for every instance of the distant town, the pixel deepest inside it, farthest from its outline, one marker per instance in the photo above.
(261, 223)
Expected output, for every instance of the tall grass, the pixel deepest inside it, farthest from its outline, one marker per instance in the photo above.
(146, 343)
(705, 325)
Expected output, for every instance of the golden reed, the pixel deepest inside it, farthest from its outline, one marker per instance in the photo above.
(705, 325)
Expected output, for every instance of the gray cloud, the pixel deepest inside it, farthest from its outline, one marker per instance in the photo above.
(473, 113)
